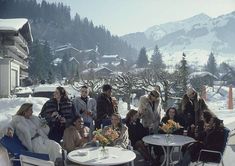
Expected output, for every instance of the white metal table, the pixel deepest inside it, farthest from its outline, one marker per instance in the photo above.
(170, 141)
(92, 157)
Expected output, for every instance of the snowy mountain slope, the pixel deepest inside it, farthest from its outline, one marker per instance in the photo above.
(158, 31)
(198, 32)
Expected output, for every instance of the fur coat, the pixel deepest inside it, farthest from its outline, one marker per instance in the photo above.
(33, 135)
(150, 116)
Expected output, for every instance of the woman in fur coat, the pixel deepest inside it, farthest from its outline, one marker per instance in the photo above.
(32, 132)
(150, 110)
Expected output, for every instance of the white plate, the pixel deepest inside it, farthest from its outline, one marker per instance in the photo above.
(82, 152)
(155, 137)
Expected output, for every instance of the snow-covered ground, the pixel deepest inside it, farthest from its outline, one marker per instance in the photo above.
(217, 103)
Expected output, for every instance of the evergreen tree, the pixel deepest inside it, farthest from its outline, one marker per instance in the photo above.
(156, 59)
(65, 66)
(52, 22)
(40, 59)
(211, 64)
(142, 59)
(182, 76)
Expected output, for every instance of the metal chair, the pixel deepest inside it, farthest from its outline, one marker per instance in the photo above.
(31, 161)
(217, 154)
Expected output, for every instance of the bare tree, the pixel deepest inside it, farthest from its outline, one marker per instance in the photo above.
(95, 85)
(124, 84)
(151, 79)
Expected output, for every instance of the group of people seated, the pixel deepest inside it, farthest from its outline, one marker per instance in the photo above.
(73, 122)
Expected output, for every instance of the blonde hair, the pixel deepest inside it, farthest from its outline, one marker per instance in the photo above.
(23, 108)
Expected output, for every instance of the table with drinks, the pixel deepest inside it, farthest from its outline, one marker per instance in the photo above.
(167, 142)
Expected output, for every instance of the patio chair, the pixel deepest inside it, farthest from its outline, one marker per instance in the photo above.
(31, 161)
(217, 154)
(15, 148)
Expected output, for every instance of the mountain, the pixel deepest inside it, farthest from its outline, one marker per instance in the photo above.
(52, 22)
(198, 32)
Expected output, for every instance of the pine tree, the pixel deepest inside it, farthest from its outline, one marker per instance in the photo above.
(142, 59)
(40, 59)
(183, 75)
(156, 59)
(211, 65)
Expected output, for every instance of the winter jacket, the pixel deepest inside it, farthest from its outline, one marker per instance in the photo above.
(72, 139)
(150, 116)
(65, 109)
(79, 105)
(193, 109)
(33, 135)
(104, 107)
(214, 139)
(136, 132)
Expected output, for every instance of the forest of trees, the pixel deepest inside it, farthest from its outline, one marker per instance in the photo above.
(52, 22)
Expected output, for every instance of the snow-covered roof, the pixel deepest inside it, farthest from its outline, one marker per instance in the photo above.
(57, 61)
(16, 25)
(73, 59)
(12, 24)
(110, 56)
(123, 59)
(96, 69)
(88, 62)
(201, 74)
(65, 47)
(116, 63)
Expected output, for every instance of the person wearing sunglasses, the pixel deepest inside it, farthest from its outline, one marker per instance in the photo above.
(192, 108)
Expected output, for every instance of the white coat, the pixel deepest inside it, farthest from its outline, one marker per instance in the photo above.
(150, 116)
(26, 129)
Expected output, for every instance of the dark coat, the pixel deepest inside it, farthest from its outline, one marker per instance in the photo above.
(136, 132)
(104, 107)
(214, 140)
(65, 109)
(193, 109)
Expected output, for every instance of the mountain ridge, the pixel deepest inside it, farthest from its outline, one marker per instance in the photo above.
(197, 32)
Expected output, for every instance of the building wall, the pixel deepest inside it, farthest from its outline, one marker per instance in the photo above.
(9, 76)
(5, 78)
(15, 75)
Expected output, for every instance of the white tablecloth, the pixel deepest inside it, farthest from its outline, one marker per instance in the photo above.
(93, 157)
(166, 143)
(161, 139)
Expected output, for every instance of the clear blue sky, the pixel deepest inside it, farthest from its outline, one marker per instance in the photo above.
(128, 16)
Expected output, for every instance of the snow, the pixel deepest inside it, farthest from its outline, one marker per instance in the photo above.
(201, 74)
(110, 56)
(158, 31)
(216, 102)
(57, 61)
(12, 24)
(51, 88)
(194, 57)
(23, 90)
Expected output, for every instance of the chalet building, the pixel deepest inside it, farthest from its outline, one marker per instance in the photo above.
(68, 50)
(100, 72)
(109, 59)
(15, 36)
(90, 64)
(79, 55)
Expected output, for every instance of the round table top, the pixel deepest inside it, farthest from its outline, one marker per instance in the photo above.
(163, 140)
(92, 156)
